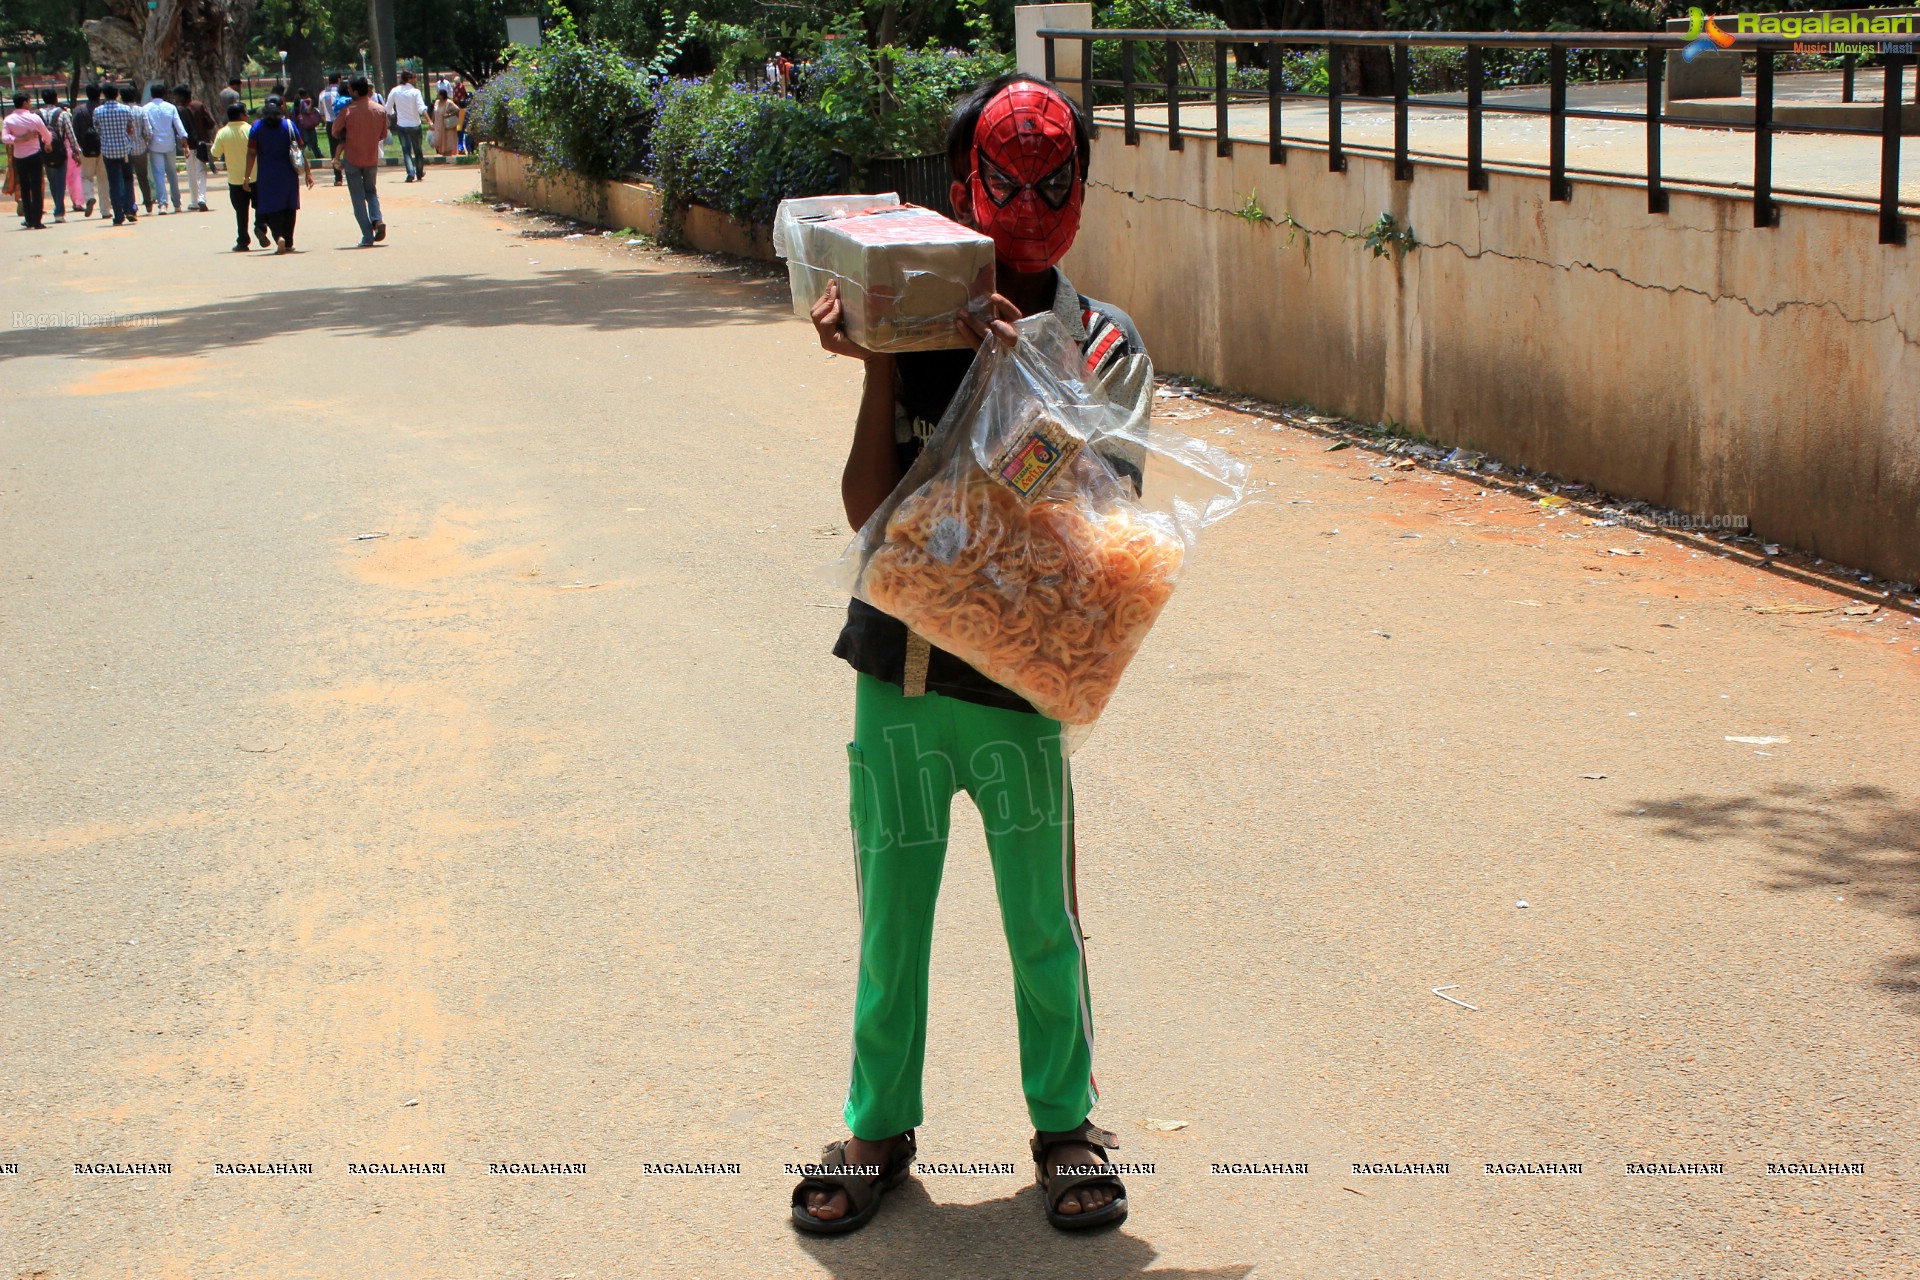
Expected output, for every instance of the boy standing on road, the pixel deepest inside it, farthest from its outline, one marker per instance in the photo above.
(927, 724)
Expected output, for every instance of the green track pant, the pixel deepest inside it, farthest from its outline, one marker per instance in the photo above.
(908, 758)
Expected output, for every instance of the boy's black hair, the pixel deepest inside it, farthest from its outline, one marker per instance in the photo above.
(966, 118)
(112, 91)
(93, 93)
(21, 98)
(183, 91)
(50, 94)
(236, 112)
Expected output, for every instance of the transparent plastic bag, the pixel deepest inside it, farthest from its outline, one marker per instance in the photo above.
(1018, 545)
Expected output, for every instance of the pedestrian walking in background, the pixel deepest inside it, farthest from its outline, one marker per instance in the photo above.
(28, 140)
(117, 124)
(307, 117)
(273, 149)
(63, 157)
(461, 96)
(93, 170)
(141, 131)
(407, 108)
(332, 99)
(445, 140)
(163, 149)
(362, 130)
(230, 149)
(230, 96)
(200, 132)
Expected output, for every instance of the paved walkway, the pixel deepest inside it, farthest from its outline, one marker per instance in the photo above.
(1819, 164)
(423, 749)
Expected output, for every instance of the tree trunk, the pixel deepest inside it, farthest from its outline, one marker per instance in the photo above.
(1365, 71)
(380, 44)
(198, 43)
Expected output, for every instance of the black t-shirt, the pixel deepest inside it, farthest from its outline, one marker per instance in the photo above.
(924, 384)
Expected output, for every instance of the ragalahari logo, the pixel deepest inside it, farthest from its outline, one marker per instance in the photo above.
(1704, 34)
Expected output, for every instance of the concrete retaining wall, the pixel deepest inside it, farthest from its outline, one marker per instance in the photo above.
(506, 175)
(1688, 359)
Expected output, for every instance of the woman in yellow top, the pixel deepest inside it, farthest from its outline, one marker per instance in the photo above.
(230, 148)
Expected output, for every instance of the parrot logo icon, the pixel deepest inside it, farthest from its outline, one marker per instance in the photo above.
(1704, 34)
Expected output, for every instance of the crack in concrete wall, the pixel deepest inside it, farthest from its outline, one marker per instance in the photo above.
(1891, 317)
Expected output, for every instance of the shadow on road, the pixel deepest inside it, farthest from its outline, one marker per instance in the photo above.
(1858, 842)
(592, 299)
(916, 1239)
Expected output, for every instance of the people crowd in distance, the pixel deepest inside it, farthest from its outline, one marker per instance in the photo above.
(120, 151)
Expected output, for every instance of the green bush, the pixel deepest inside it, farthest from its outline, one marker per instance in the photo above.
(892, 103)
(1150, 60)
(737, 150)
(581, 107)
(585, 108)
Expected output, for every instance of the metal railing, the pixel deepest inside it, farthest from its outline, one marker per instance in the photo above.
(1764, 126)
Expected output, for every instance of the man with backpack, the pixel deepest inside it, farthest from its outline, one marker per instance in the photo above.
(93, 170)
(65, 146)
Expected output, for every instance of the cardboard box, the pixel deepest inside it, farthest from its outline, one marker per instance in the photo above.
(904, 271)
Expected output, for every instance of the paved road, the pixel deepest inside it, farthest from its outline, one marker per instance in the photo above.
(517, 833)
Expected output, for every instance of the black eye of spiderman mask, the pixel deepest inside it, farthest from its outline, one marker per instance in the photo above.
(1025, 181)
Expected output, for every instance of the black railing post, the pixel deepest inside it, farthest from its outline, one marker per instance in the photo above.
(1126, 92)
(1892, 229)
(1558, 188)
(1656, 69)
(1222, 140)
(1846, 77)
(1336, 159)
(1764, 213)
(1086, 84)
(1174, 142)
(1402, 166)
(1049, 68)
(1276, 149)
(1476, 80)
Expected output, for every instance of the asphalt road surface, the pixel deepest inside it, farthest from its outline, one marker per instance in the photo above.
(422, 749)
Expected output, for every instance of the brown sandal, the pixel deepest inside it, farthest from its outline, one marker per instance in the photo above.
(1055, 1186)
(863, 1190)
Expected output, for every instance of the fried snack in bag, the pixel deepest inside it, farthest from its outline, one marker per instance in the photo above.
(1015, 545)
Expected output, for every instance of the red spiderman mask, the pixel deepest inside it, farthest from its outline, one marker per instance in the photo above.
(1025, 185)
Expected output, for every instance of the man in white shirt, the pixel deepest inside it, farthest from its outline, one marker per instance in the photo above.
(169, 131)
(407, 108)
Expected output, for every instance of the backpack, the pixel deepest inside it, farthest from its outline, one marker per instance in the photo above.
(83, 130)
(59, 147)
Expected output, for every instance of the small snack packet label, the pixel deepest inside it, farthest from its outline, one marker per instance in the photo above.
(1035, 457)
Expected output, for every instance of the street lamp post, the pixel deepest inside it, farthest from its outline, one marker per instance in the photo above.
(11, 87)
(283, 71)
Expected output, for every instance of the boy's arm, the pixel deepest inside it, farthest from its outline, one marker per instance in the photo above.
(873, 464)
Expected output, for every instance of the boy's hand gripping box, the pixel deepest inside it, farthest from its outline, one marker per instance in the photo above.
(904, 271)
